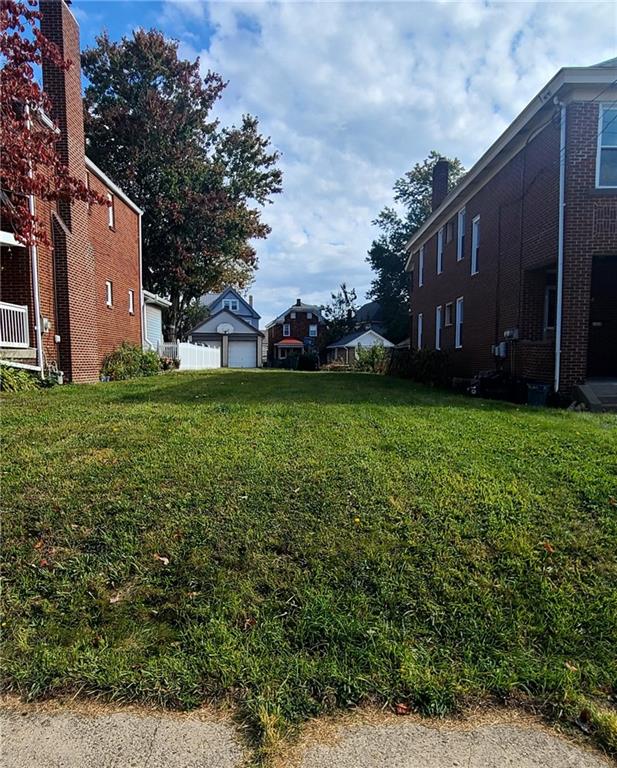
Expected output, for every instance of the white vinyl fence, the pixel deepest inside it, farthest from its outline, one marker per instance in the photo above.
(193, 357)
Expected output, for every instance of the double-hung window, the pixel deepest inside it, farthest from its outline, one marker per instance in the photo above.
(460, 235)
(606, 163)
(109, 293)
(111, 214)
(231, 304)
(440, 250)
(458, 332)
(438, 326)
(313, 330)
(286, 329)
(421, 268)
(420, 329)
(475, 245)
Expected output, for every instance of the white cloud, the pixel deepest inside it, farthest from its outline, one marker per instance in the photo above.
(354, 93)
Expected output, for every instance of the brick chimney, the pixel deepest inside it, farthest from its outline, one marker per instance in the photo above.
(76, 292)
(298, 302)
(250, 301)
(441, 171)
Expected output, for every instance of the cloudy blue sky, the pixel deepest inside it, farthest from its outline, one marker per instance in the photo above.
(353, 94)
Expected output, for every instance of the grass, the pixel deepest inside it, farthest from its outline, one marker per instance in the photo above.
(302, 542)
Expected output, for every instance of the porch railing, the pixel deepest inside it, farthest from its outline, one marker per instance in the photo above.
(14, 330)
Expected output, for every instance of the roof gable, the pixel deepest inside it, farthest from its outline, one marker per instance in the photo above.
(210, 324)
(210, 299)
(355, 339)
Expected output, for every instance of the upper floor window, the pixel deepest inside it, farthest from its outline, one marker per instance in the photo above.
(450, 231)
(606, 164)
(421, 268)
(438, 326)
(313, 330)
(232, 304)
(440, 251)
(109, 293)
(550, 307)
(309, 315)
(292, 315)
(131, 302)
(286, 329)
(475, 245)
(111, 214)
(448, 314)
(460, 232)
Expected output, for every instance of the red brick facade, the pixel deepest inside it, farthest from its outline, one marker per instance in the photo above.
(80, 328)
(517, 200)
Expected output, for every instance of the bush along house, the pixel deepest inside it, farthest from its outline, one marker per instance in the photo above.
(516, 268)
(295, 331)
(66, 306)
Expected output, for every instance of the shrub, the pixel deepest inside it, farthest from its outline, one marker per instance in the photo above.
(371, 359)
(129, 361)
(169, 363)
(308, 361)
(16, 380)
(427, 366)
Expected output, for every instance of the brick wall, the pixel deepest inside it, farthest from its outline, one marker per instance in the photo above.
(116, 255)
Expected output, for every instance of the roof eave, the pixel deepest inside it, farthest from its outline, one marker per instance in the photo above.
(112, 186)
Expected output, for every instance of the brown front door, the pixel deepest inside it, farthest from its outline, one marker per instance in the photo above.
(602, 351)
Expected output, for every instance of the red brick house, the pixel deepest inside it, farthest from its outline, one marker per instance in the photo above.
(516, 268)
(69, 304)
(299, 328)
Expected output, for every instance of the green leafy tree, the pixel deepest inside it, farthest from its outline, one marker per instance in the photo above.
(339, 315)
(202, 186)
(412, 198)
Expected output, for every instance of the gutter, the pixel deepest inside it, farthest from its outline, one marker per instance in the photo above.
(562, 205)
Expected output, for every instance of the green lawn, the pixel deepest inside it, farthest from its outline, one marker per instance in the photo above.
(298, 542)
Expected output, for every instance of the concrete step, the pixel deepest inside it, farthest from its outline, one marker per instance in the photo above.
(598, 394)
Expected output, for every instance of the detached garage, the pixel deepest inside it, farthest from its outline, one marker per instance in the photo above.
(239, 341)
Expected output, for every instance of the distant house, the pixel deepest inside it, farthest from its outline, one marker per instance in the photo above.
(370, 317)
(345, 349)
(516, 267)
(232, 327)
(297, 329)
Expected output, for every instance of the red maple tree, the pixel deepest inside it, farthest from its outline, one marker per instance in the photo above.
(30, 164)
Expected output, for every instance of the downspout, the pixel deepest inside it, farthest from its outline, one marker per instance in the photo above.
(34, 267)
(142, 303)
(562, 197)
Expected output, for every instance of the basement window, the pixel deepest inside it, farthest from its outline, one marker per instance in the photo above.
(606, 163)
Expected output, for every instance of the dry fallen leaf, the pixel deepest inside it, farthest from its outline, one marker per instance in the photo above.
(548, 547)
(162, 559)
(114, 599)
(571, 667)
(401, 709)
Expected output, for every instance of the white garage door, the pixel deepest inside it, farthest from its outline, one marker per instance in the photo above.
(242, 354)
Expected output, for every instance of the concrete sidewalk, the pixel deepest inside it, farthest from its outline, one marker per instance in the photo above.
(92, 736)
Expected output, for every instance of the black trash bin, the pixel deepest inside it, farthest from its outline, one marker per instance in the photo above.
(537, 394)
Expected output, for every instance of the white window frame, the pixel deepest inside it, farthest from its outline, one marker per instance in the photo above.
(460, 235)
(313, 330)
(233, 305)
(111, 213)
(603, 108)
(309, 315)
(286, 329)
(131, 302)
(438, 326)
(109, 293)
(421, 268)
(475, 244)
(292, 315)
(459, 320)
(420, 330)
(440, 236)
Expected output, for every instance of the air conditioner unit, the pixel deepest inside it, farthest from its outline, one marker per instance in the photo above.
(511, 334)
